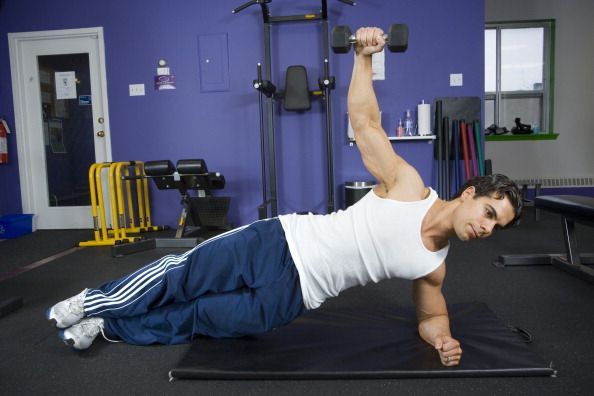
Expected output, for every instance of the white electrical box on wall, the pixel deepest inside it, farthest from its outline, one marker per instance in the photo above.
(456, 80)
(136, 89)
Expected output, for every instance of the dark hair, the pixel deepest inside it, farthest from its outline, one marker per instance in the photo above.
(497, 186)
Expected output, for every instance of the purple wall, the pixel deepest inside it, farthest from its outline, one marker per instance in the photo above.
(223, 127)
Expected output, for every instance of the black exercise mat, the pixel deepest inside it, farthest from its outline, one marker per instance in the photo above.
(349, 344)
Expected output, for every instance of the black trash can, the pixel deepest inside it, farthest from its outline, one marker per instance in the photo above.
(355, 190)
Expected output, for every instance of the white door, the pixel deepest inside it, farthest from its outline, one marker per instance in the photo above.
(61, 120)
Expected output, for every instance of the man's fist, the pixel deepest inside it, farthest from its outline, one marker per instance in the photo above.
(449, 350)
(369, 40)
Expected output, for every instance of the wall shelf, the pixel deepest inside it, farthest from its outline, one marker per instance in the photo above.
(404, 138)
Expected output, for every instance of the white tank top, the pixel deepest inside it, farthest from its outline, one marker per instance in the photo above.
(374, 239)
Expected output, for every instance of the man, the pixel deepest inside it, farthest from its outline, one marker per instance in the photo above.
(261, 276)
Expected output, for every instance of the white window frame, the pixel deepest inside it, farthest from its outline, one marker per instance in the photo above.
(547, 93)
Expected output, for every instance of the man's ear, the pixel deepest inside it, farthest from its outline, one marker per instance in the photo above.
(468, 193)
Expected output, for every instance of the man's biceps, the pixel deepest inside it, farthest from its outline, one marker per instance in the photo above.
(426, 285)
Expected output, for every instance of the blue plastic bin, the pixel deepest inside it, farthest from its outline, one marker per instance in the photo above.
(13, 226)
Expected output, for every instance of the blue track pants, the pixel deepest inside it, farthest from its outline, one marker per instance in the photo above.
(243, 282)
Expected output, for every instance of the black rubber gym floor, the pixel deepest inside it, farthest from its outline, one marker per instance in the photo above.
(552, 305)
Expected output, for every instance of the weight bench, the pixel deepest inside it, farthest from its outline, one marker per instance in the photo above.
(573, 209)
(202, 215)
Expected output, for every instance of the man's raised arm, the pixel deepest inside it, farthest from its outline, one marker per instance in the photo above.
(364, 111)
(388, 168)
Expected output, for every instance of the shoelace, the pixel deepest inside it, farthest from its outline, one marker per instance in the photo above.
(93, 326)
(107, 339)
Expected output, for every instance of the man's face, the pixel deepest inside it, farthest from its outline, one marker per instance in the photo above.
(479, 217)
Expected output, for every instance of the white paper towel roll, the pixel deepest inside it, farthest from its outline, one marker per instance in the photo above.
(424, 118)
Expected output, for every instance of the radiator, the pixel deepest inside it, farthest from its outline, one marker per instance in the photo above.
(557, 181)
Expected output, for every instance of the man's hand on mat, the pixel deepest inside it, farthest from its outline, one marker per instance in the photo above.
(449, 350)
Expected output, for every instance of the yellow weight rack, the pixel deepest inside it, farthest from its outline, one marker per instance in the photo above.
(132, 218)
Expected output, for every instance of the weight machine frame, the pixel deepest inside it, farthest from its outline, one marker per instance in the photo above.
(266, 88)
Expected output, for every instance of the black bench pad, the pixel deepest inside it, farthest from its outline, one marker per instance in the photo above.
(568, 205)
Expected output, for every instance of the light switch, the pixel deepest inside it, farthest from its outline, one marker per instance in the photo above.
(136, 89)
(456, 80)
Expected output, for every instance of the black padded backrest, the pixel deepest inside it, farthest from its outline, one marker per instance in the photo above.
(568, 205)
(159, 168)
(162, 172)
(191, 167)
(193, 174)
(296, 97)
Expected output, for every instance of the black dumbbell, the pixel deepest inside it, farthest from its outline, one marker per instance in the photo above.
(396, 39)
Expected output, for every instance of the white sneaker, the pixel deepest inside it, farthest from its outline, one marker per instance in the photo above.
(68, 312)
(82, 334)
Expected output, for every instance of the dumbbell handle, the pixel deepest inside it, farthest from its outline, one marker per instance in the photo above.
(353, 38)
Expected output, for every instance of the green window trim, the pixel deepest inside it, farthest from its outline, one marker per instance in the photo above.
(508, 137)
